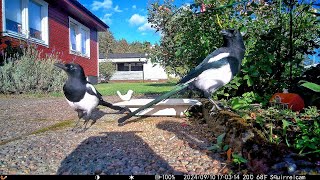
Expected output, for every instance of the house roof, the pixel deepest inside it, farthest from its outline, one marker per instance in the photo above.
(123, 55)
(82, 13)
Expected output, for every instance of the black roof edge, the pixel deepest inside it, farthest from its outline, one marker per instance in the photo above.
(79, 5)
(123, 55)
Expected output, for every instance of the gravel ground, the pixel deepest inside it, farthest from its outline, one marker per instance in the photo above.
(153, 145)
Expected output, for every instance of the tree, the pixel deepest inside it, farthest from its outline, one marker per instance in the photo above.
(106, 42)
(278, 35)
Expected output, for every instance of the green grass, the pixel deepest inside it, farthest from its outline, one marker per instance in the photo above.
(108, 89)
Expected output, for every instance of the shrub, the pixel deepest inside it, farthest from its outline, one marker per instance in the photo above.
(309, 94)
(30, 73)
(106, 70)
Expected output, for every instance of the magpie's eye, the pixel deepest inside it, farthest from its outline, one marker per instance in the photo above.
(71, 67)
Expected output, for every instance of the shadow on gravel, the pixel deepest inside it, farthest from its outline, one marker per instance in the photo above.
(114, 153)
(96, 115)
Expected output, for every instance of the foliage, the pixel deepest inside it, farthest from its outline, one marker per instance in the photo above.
(10, 49)
(314, 87)
(306, 86)
(283, 126)
(106, 70)
(219, 145)
(309, 138)
(108, 44)
(244, 101)
(30, 73)
(275, 51)
(238, 159)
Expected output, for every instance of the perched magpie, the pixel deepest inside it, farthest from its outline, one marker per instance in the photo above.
(80, 94)
(215, 71)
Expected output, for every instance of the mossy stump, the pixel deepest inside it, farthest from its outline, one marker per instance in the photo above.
(241, 135)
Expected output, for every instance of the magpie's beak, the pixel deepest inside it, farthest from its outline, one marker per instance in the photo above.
(224, 32)
(60, 65)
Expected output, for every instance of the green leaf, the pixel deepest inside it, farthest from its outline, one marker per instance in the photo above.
(249, 82)
(220, 138)
(225, 147)
(239, 158)
(310, 85)
(178, 52)
(215, 147)
(237, 103)
(285, 124)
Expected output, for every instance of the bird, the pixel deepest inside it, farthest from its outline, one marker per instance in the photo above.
(215, 71)
(125, 97)
(80, 94)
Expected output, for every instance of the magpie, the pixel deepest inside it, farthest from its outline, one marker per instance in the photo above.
(80, 94)
(215, 71)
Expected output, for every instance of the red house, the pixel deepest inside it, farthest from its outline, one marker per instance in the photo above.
(62, 26)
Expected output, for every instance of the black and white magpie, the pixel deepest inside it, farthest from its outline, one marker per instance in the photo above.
(215, 71)
(81, 95)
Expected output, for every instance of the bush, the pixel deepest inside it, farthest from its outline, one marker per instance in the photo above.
(310, 97)
(106, 70)
(30, 74)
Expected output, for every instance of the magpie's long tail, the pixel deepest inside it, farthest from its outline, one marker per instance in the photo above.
(111, 106)
(157, 100)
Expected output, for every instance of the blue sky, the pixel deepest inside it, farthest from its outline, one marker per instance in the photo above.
(126, 19)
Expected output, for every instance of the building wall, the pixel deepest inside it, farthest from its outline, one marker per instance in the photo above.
(154, 72)
(151, 72)
(127, 75)
(59, 40)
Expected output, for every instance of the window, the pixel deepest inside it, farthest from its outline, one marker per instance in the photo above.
(136, 67)
(34, 19)
(13, 15)
(129, 67)
(79, 38)
(26, 19)
(73, 36)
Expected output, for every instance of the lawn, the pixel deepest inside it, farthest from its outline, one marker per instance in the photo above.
(108, 89)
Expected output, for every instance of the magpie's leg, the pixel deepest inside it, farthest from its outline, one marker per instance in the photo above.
(124, 110)
(215, 107)
(86, 128)
(80, 115)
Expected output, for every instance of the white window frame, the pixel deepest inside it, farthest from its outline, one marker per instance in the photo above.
(24, 34)
(80, 28)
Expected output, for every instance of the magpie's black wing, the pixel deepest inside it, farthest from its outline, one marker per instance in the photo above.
(92, 90)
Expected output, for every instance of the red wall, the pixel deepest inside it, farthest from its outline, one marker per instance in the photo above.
(59, 40)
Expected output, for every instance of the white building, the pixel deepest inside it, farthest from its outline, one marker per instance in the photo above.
(134, 67)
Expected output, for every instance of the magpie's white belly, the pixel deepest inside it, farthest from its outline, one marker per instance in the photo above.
(212, 79)
(87, 103)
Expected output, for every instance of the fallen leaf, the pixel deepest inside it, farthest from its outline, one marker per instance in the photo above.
(229, 152)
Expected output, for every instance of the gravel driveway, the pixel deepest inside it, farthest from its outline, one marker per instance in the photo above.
(36, 138)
